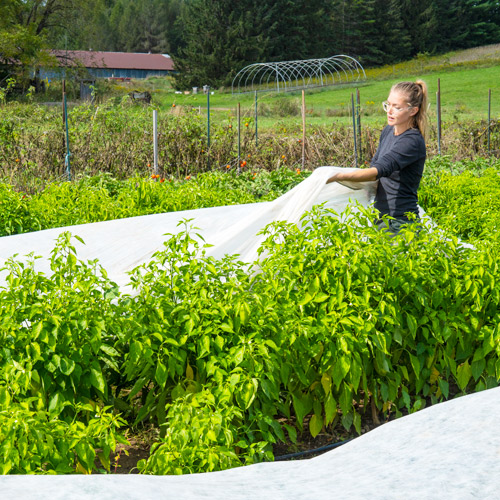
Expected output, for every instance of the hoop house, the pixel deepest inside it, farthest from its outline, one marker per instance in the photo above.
(291, 75)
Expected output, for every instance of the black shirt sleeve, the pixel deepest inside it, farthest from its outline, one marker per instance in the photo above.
(405, 152)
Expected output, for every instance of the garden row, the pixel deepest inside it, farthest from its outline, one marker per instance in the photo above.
(102, 197)
(453, 193)
(118, 140)
(225, 361)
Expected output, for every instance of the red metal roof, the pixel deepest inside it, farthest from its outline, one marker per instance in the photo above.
(117, 60)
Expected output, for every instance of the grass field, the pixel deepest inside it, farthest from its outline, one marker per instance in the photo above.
(465, 78)
(464, 96)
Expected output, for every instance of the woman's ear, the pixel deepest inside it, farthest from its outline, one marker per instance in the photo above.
(414, 111)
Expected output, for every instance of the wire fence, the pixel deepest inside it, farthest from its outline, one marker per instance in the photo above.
(124, 140)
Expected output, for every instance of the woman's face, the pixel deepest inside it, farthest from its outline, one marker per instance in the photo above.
(399, 111)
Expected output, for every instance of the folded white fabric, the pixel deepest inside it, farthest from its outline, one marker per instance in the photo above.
(121, 245)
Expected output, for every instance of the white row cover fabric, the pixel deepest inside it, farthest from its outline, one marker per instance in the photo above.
(448, 451)
(121, 245)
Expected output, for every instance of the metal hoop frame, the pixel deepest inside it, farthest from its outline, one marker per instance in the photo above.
(292, 75)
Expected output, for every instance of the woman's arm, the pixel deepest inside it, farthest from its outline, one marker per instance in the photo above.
(361, 175)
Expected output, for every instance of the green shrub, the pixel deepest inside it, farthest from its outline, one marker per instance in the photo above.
(36, 442)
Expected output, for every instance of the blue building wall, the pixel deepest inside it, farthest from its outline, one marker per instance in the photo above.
(107, 73)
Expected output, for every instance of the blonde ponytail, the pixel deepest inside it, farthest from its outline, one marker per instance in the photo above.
(417, 95)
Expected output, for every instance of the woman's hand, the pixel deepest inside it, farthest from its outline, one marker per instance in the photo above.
(361, 175)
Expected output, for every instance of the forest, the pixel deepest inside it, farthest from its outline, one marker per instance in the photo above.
(211, 40)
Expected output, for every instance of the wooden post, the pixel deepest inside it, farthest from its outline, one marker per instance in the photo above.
(354, 131)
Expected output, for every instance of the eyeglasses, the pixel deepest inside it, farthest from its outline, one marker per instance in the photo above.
(387, 106)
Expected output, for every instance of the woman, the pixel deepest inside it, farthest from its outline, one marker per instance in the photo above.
(399, 161)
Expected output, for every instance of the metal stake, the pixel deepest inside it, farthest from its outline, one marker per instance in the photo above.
(438, 104)
(256, 116)
(155, 140)
(208, 127)
(303, 129)
(354, 131)
(238, 119)
(489, 119)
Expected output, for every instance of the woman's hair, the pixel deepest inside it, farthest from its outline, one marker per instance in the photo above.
(416, 93)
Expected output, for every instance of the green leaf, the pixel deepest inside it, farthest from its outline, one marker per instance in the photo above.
(109, 350)
(55, 403)
(355, 374)
(161, 374)
(412, 324)
(464, 373)
(313, 286)
(244, 313)
(437, 298)
(326, 382)
(415, 363)
(238, 356)
(249, 392)
(445, 387)
(307, 298)
(292, 433)
(347, 421)
(4, 397)
(330, 409)
(340, 369)
(315, 425)
(357, 422)
(345, 399)
(302, 405)
(477, 368)
(66, 366)
(139, 384)
(97, 379)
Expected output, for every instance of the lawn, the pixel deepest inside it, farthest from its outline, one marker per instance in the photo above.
(464, 96)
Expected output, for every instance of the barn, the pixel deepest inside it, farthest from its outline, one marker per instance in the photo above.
(113, 64)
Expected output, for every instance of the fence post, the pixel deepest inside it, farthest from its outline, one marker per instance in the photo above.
(303, 129)
(208, 127)
(358, 116)
(67, 162)
(155, 140)
(438, 104)
(489, 120)
(354, 130)
(256, 117)
(238, 119)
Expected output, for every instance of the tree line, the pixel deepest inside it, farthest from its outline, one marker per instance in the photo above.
(211, 40)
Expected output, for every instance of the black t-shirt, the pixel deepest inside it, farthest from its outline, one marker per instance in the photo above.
(400, 163)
